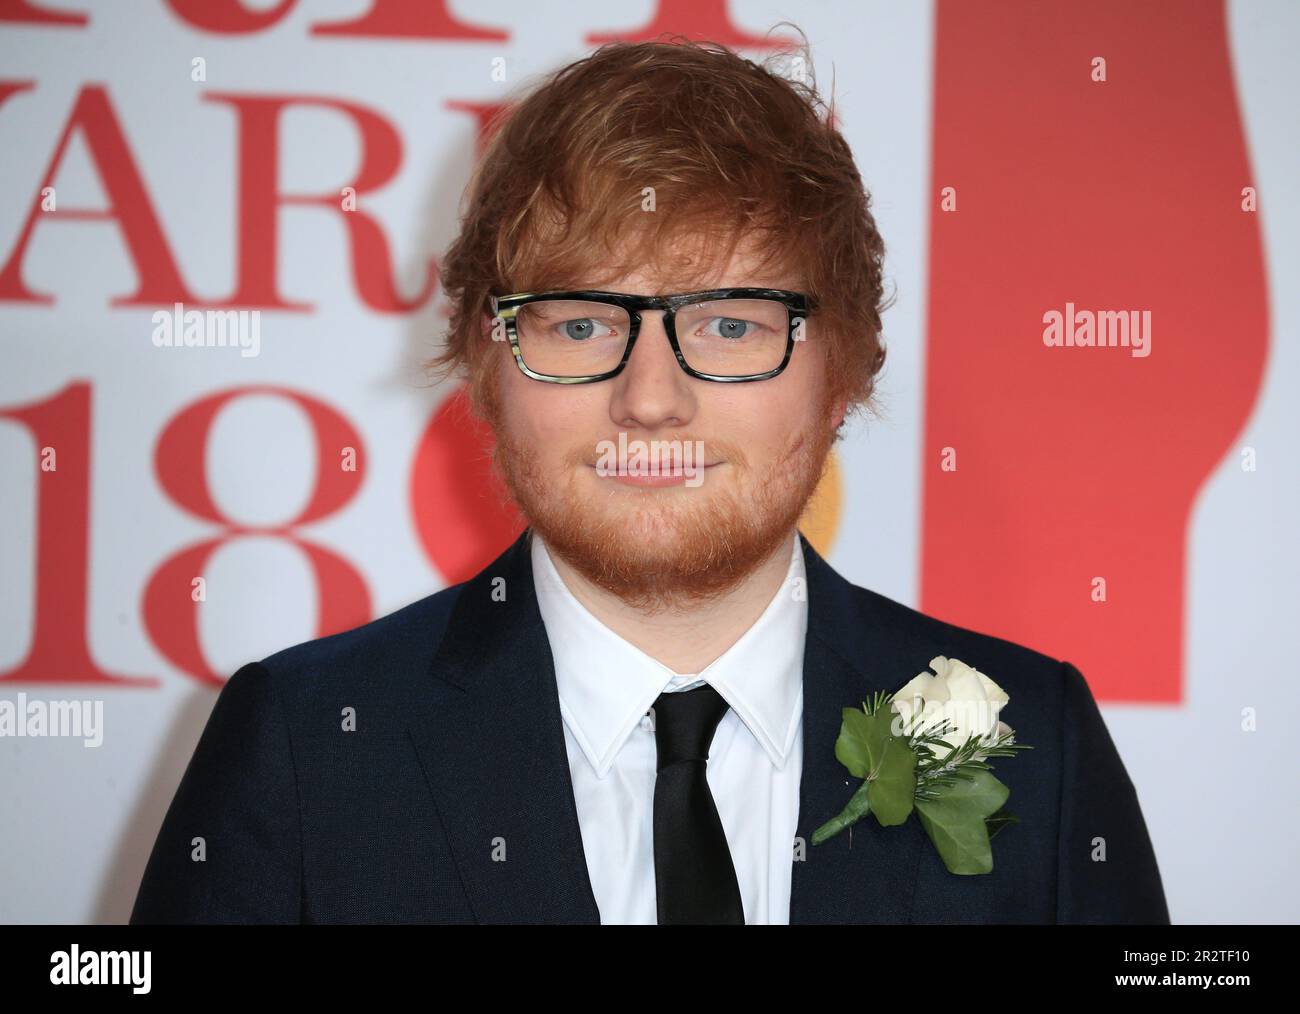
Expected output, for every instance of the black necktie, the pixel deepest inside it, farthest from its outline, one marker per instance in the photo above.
(695, 881)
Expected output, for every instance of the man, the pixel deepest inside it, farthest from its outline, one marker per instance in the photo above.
(631, 714)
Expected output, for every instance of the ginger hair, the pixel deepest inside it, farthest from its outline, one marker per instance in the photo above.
(730, 148)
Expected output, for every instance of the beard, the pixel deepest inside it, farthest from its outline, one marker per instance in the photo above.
(669, 548)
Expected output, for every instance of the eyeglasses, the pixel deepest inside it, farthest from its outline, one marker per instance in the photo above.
(581, 337)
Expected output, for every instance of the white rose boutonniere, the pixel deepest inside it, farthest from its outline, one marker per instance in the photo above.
(924, 749)
(964, 697)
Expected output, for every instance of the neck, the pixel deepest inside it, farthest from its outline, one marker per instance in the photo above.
(685, 638)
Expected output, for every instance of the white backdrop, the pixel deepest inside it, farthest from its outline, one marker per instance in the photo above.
(76, 823)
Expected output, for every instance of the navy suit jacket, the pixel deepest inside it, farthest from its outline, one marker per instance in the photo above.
(458, 762)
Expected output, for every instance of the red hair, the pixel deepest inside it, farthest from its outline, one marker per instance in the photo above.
(730, 149)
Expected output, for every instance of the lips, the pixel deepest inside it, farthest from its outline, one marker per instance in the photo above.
(667, 467)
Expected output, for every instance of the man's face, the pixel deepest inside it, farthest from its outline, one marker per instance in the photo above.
(763, 444)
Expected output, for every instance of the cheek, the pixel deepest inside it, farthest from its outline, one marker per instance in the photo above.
(550, 419)
(773, 411)
(764, 424)
(811, 383)
(808, 364)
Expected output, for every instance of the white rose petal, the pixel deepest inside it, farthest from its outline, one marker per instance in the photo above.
(957, 693)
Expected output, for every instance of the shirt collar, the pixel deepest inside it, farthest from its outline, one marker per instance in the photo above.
(606, 684)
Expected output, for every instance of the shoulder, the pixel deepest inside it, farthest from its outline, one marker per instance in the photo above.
(1012, 656)
(386, 657)
(1039, 684)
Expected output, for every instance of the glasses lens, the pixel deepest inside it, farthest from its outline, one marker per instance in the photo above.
(571, 338)
(733, 337)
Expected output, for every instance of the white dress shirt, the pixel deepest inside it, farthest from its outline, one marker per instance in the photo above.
(606, 687)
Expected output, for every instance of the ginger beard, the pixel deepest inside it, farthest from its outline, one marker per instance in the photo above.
(666, 548)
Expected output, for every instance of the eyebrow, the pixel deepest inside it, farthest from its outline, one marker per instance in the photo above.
(762, 284)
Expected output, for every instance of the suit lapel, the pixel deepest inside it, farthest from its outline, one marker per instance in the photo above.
(866, 874)
(490, 739)
(491, 743)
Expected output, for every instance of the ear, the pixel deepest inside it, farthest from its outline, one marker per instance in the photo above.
(838, 409)
(841, 406)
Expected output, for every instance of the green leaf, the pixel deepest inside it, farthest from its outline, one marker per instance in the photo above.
(879, 736)
(893, 788)
(955, 821)
(855, 810)
(851, 748)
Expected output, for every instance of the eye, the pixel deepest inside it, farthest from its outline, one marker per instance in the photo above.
(728, 327)
(579, 330)
(583, 329)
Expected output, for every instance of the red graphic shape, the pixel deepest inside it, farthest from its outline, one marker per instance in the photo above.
(1078, 463)
(463, 513)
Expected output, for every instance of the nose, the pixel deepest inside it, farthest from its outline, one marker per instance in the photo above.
(653, 390)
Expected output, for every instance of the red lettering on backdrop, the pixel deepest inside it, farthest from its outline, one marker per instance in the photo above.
(128, 205)
(228, 17)
(389, 19)
(8, 89)
(410, 19)
(696, 19)
(170, 614)
(28, 13)
(1076, 463)
(60, 650)
(260, 200)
